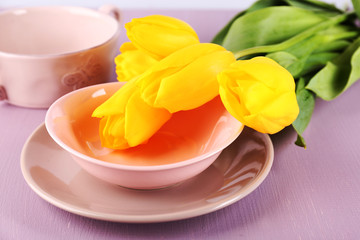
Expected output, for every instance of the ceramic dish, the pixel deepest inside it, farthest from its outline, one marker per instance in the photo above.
(58, 49)
(55, 177)
(183, 147)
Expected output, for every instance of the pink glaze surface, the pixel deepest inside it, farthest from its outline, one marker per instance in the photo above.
(185, 146)
(46, 52)
(54, 176)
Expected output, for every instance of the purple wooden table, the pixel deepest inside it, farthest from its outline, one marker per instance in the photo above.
(309, 194)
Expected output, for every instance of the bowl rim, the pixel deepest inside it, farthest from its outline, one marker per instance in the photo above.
(96, 161)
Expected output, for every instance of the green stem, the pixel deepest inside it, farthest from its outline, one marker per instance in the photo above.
(292, 41)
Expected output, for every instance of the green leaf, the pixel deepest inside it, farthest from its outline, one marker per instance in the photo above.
(218, 39)
(264, 4)
(300, 141)
(296, 39)
(288, 61)
(338, 74)
(331, 38)
(316, 61)
(296, 58)
(283, 58)
(267, 26)
(356, 4)
(335, 46)
(311, 5)
(303, 66)
(306, 102)
(314, 5)
(302, 51)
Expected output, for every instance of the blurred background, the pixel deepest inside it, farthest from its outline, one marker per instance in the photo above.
(162, 4)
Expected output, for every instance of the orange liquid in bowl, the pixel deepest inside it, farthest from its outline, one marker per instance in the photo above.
(186, 135)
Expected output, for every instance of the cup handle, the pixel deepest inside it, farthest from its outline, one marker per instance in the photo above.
(112, 11)
(3, 95)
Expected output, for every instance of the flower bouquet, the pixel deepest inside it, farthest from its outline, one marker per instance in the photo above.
(315, 41)
(267, 64)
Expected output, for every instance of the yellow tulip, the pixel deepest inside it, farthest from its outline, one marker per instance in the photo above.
(159, 36)
(259, 93)
(126, 120)
(152, 38)
(132, 62)
(185, 79)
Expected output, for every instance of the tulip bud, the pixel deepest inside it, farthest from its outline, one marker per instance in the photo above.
(260, 94)
(126, 120)
(159, 36)
(185, 79)
(132, 62)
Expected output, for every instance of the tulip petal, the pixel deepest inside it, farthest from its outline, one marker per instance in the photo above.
(186, 79)
(127, 46)
(260, 94)
(127, 120)
(230, 98)
(131, 63)
(116, 104)
(267, 72)
(159, 35)
(112, 132)
(264, 121)
(141, 120)
(195, 84)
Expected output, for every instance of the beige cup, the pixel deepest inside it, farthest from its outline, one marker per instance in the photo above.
(46, 52)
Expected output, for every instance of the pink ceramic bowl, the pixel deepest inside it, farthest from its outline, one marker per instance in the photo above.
(185, 146)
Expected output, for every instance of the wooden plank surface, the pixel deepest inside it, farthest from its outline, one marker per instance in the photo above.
(309, 194)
